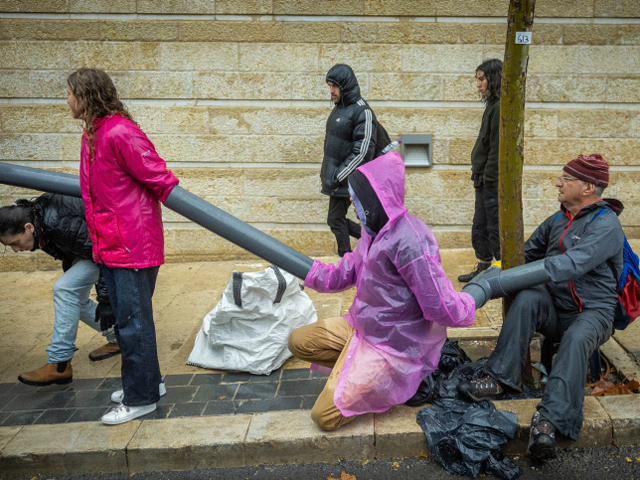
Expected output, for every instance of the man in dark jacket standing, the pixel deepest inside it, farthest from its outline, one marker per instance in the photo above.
(582, 248)
(485, 236)
(349, 142)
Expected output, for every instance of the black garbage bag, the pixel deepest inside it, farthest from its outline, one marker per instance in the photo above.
(451, 356)
(466, 437)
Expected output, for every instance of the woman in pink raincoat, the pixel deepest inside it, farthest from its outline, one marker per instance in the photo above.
(391, 338)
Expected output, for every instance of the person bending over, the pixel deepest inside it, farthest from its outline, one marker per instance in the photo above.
(56, 225)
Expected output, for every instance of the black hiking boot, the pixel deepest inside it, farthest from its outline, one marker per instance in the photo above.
(480, 267)
(542, 438)
(487, 388)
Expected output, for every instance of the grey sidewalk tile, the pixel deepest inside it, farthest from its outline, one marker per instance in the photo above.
(295, 374)
(178, 395)
(20, 388)
(273, 377)
(92, 414)
(4, 416)
(235, 377)
(292, 437)
(252, 406)
(52, 388)
(207, 393)
(83, 384)
(178, 380)
(308, 401)
(88, 447)
(206, 379)
(220, 407)
(7, 388)
(6, 399)
(60, 415)
(624, 411)
(193, 409)
(161, 412)
(397, 433)
(285, 403)
(299, 387)
(256, 390)
(90, 398)
(111, 383)
(39, 401)
(25, 417)
(188, 443)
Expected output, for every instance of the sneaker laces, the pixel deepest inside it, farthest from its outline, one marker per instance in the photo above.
(487, 383)
(121, 407)
(542, 426)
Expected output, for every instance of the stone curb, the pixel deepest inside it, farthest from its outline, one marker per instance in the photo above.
(186, 443)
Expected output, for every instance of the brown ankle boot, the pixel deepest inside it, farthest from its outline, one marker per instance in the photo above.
(59, 373)
(106, 351)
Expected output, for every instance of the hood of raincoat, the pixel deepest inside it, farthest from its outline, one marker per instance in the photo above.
(345, 78)
(403, 302)
(368, 206)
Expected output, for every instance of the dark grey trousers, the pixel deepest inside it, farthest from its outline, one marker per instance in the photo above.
(579, 334)
(485, 234)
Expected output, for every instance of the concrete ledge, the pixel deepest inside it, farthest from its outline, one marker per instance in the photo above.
(398, 435)
(292, 437)
(624, 411)
(269, 438)
(596, 429)
(188, 443)
(71, 448)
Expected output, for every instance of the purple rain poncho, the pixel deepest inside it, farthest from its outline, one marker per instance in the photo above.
(403, 303)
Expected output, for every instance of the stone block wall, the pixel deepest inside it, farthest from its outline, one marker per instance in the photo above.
(232, 93)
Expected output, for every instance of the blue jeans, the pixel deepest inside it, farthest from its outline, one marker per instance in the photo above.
(130, 292)
(72, 303)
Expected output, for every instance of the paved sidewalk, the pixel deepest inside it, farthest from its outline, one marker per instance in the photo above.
(215, 419)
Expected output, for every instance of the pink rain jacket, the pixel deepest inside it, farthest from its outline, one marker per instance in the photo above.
(122, 190)
(403, 303)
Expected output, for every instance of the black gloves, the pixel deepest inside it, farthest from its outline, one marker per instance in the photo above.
(105, 316)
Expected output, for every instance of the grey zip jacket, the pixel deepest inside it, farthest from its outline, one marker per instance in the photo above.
(583, 256)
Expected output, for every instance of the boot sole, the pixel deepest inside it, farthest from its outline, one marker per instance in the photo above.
(60, 381)
(104, 357)
(543, 452)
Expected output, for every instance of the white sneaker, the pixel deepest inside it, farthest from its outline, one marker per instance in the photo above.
(118, 395)
(123, 413)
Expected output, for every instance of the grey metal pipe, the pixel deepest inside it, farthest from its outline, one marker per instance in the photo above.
(496, 283)
(182, 202)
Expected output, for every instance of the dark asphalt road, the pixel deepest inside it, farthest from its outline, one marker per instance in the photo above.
(593, 464)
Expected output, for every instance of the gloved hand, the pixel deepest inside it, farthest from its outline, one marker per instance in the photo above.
(480, 287)
(105, 316)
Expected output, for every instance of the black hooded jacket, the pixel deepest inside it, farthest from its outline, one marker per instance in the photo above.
(61, 231)
(350, 135)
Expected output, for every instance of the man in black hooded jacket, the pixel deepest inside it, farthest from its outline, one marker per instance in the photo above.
(350, 141)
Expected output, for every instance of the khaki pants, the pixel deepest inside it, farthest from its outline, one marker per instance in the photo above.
(325, 343)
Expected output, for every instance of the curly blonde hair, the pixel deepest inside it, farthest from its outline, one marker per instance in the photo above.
(97, 97)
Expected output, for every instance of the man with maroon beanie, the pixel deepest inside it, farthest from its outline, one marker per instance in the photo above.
(582, 250)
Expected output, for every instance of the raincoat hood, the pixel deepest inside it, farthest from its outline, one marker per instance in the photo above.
(368, 206)
(345, 78)
(403, 301)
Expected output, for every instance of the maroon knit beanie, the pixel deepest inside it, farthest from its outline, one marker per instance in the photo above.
(590, 168)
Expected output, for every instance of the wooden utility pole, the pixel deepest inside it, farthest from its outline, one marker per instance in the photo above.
(512, 98)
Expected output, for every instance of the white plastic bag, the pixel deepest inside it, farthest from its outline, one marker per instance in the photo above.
(248, 330)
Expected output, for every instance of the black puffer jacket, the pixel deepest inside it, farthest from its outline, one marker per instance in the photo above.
(484, 156)
(580, 255)
(350, 135)
(61, 231)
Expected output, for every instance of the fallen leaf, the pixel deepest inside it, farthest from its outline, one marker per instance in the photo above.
(222, 397)
(628, 459)
(395, 465)
(343, 476)
(365, 462)
(423, 455)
